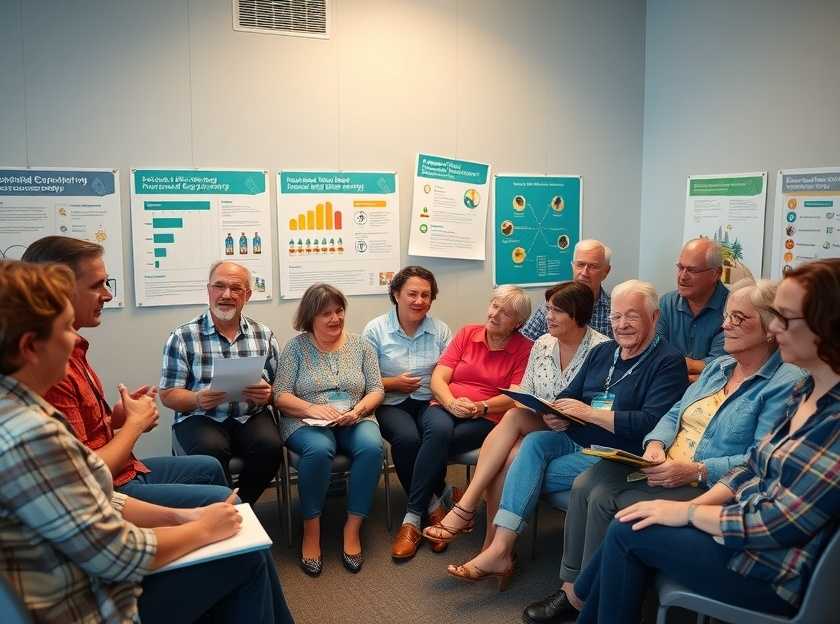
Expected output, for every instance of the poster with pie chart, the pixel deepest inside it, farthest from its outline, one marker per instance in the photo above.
(536, 225)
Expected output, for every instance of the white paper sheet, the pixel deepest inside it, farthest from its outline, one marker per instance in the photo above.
(233, 375)
(251, 536)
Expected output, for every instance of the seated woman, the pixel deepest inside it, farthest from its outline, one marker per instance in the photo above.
(408, 342)
(467, 404)
(327, 389)
(620, 393)
(754, 538)
(736, 400)
(555, 360)
(73, 548)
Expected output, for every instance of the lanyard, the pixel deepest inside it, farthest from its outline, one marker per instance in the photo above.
(609, 383)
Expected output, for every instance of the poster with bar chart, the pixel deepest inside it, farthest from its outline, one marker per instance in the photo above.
(184, 220)
(337, 227)
(79, 203)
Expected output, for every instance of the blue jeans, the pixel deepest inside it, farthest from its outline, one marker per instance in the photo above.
(317, 447)
(183, 482)
(548, 461)
(401, 426)
(613, 584)
(244, 588)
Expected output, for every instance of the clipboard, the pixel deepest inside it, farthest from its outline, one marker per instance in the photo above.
(537, 404)
(619, 455)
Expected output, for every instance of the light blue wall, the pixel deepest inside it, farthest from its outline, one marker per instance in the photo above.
(532, 86)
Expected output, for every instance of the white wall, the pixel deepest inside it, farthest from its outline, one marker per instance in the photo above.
(530, 86)
(732, 86)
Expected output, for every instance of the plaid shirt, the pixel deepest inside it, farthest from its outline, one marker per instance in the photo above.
(66, 550)
(188, 361)
(537, 325)
(787, 498)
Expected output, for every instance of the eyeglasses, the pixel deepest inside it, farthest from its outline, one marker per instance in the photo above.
(111, 284)
(691, 270)
(784, 321)
(221, 287)
(554, 309)
(580, 265)
(630, 317)
(735, 319)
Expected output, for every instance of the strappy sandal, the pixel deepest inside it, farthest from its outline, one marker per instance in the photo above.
(474, 574)
(450, 534)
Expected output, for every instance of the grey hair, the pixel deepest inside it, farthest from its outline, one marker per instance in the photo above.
(634, 286)
(516, 298)
(714, 252)
(592, 242)
(216, 265)
(760, 294)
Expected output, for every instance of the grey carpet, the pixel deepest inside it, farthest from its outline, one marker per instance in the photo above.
(418, 590)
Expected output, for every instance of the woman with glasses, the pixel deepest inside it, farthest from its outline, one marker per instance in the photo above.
(556, 358)
(708, 432)
(622, 390)
(754, 538)
(328, 387)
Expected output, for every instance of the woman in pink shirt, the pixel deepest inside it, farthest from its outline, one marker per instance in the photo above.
(467, 404)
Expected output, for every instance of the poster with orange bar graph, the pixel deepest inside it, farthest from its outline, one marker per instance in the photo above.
(337, 227)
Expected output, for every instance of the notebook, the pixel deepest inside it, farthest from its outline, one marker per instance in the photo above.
(618, 455)
(537, 404)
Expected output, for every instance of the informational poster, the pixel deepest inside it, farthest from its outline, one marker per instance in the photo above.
(536, 225)
(184, 220)
(342, 228)
(449, 210)
(729, 208)
(81, 203)
(807, 217)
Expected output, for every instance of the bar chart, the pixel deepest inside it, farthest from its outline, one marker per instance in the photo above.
(322, 218)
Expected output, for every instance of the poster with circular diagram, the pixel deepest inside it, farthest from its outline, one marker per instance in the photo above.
(536, 224)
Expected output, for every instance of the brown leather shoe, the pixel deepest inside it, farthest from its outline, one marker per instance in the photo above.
(435, 517)
(405, 543)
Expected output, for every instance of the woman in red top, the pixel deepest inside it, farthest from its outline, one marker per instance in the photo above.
(467, 404)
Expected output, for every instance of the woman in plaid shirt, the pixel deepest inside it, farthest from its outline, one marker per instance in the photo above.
(754, 538)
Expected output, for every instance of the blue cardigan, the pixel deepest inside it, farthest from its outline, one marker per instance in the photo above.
(741, 420)
(640, 399)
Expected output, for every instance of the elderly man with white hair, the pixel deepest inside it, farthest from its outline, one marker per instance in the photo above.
(621, 392)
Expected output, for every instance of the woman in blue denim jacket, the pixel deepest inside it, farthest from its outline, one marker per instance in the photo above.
(733, 404)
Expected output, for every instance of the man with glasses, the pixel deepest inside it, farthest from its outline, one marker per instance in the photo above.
(112, 432)
(690, 317)
(206, 420)
(590, 266)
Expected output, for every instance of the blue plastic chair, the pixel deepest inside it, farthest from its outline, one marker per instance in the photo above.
(820, 604)
(559, 501)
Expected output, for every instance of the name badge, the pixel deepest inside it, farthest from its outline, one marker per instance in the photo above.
(340, 400)
(603, 401)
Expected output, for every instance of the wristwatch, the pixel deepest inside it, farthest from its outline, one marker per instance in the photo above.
(486, 408)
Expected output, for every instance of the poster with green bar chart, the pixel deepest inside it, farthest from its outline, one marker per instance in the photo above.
(184, 220)
(340, 227)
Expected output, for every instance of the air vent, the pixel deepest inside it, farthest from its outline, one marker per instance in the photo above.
(298, 18)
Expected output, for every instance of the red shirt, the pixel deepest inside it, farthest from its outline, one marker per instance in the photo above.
(80, 397)
(478, 372)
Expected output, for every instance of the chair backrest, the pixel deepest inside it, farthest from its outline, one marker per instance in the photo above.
(12, 609)
(820, 602)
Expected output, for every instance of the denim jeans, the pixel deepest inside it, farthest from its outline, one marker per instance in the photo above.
(317, 447)
(183, 482)
(400, 425)
(613, 585)
(548, 461)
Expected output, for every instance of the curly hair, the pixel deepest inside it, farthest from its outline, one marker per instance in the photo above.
(31, 297)
(406, 273)
(821, 305)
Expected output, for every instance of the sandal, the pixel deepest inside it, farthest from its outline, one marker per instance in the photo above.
(474, 574)
(450, 533)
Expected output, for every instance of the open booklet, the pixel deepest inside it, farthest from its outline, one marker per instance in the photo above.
(537, 404)
(251, 536)
(618, 455)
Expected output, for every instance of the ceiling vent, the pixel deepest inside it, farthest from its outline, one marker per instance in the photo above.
(298, 18)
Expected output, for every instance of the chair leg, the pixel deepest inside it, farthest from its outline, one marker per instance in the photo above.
(277, 478)
(388, 520)
(469, 474)
(287, 495)
(662, 614)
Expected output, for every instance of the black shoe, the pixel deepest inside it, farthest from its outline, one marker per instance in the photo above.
(352, 562)
(553, 609)
(313, 567)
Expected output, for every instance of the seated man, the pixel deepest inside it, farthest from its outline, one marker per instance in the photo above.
(112, 433)
(620, 393)
(205, 421)
(590, 266)
(690, 317)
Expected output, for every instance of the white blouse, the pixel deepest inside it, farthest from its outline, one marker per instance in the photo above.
(544, 377)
